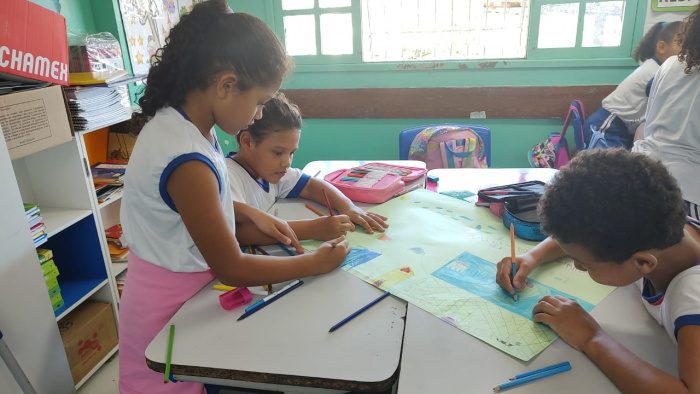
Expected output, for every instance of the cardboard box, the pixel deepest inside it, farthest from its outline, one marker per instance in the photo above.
(88, 333)
(34, 120)
(33, 42)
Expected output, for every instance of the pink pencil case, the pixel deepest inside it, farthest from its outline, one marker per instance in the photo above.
(374, 183)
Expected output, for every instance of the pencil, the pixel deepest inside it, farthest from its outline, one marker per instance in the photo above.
(513, 266)
(316, 174)
(359, 311)
(273, 297)
(313, 209)
(539, 370)
(223, 287)
(286, 249)
(531, 378)
(328, 203)
(169, 354)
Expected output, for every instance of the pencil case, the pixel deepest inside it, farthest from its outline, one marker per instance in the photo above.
(374, 183)
(526, 224)
(521, 197)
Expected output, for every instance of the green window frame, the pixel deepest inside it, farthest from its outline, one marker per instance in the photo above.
(632, 30)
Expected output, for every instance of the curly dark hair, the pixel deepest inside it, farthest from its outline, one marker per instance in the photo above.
(209, 40)
(278, 114)
(614, 203)
(690, 41)
(661, 31)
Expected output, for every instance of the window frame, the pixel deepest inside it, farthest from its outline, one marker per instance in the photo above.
(326, 64)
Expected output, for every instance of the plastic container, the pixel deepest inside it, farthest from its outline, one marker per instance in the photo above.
(235, 298)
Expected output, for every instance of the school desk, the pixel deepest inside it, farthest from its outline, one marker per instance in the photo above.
(286, 346)
(438, 358)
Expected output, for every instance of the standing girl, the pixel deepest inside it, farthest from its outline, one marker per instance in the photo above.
(623, 110)
(217, 68)
(672, 133)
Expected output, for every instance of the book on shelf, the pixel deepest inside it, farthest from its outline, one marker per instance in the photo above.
(44, 255)
(94, 107)
(117, 253)
(37, 228)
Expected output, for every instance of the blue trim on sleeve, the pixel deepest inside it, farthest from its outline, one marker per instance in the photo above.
(162, 186)
(301, 183)
(686, 320)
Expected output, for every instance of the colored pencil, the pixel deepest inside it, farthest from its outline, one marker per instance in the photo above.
(273, 297)
(313, 209)
(223, 287)
(536, 371)
(513, 266)
(316, 174)
(328, 203)
(359, 311)
(286, 249)
(531, 378)
(169, 354)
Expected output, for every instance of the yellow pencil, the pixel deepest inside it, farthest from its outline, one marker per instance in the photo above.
(223, 287)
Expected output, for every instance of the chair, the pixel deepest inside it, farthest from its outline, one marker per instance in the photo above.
(406, 138)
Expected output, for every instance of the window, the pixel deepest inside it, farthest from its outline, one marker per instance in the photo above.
(372, 31)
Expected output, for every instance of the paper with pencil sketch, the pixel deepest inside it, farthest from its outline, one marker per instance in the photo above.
(440, 254)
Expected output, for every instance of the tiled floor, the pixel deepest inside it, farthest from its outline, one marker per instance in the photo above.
(105, 380)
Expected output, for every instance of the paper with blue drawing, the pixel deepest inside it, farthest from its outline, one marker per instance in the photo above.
(440, 254)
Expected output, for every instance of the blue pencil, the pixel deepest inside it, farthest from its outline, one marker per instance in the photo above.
(535, 371)
(532, 378)
(272, 298)
(359, 311)
(286, 249)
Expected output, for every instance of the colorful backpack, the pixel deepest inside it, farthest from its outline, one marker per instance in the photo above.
(553, 151)
(448, 146)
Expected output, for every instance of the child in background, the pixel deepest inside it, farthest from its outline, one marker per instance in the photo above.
(260, 174)
(218, 67)
(626, 226)
(623, 110)
(672, 133)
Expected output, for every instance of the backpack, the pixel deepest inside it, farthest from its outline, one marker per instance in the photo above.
(448, 146)
(553, 151)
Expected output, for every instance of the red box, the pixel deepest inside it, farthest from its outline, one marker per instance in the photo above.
(33, 42)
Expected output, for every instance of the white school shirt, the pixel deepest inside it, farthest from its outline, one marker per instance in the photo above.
(259, 193)
(152, 226)
(679, 305)
(629, 100)
(672, 131)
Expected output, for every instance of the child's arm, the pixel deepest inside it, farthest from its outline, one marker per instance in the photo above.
(545, 251)
(270, 228)
(322, 228)
(194, 189)
(370, 221)
(627, 371)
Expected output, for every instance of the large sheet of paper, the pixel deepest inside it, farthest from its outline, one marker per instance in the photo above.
(440, 254)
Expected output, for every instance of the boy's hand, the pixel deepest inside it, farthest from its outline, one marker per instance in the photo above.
(525, 265)
(369, 221)
(331, 254)
(331, 227)
(574, 325)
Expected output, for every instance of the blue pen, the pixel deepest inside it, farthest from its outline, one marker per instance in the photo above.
(286, 249)
(272, 298)
(254, 305)
(532, 378)
(536, 371)
(359, 311)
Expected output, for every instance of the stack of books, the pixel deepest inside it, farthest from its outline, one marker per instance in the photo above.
(107, 179)
(117, 251)
(36, 224)
(95, 107)
(48, 267)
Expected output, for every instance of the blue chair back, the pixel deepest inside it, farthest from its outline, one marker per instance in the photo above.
(406, 138)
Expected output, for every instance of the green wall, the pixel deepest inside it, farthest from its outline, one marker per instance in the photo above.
(378, 138)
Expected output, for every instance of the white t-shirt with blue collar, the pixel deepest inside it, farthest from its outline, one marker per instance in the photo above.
(259, 193)
(679, 305)
(153, 228)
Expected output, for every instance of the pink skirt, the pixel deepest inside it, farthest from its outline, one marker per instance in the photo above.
(150, 298)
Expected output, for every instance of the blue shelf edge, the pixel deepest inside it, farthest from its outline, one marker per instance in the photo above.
(74, 290)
